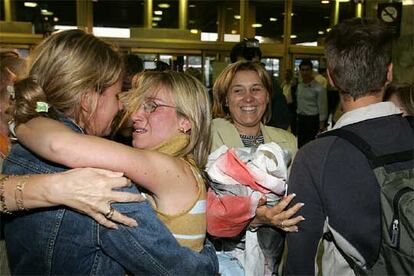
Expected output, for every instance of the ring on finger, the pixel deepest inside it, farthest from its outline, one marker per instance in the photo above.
(110, 213)
(282, 224)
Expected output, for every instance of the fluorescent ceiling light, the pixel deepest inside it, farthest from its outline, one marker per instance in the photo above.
(194, 31)
(154, 24)
(191, 6)
(233, 31)
(112, 32)
(257, 25)
(321, 32)
(30, 4)
(237, 16)
(64, 27)
(272, 19)
(158, 12)
(408, 2)
(293, 36)
(164, 5)
(156, 18)
(46, 12)
(55, 19)
(325, 2)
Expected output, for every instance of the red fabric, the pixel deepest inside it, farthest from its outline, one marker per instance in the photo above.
(234, 167)
(227, 215)
(4, 145)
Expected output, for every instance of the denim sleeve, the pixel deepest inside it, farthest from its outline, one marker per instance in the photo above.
(150, 248)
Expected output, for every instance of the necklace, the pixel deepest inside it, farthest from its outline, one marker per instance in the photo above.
(252, 140)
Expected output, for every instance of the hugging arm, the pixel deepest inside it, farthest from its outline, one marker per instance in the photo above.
(87, 190)
(58, 143)
(153, 250)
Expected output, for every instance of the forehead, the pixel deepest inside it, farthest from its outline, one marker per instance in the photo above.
(160, 92)
(244, 76)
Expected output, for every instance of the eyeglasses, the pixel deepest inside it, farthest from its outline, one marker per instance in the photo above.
(151, 106)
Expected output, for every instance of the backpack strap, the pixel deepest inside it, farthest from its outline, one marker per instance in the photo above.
(375, 161)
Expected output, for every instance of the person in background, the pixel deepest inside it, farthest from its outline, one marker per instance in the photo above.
(289, 86)
(402, 95)
(82, 93)
(241, 108)
(333, 177)
(133, 66)
(12, 68)
(312, 106)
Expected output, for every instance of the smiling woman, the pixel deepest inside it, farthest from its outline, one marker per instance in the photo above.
(241, 107)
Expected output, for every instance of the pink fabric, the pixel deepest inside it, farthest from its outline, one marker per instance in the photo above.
(227, 215)
(235, 168)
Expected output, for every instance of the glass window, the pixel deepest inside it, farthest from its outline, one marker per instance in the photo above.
(269, 19)
(272, 66)
(310, 21)
(165, 14)
(46, 14)
(231, 17)
(202, 15)
(119, 13)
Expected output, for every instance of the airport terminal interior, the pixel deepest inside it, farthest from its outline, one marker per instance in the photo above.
(201, 33)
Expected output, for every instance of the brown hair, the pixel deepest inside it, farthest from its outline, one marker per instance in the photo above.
(222, 85)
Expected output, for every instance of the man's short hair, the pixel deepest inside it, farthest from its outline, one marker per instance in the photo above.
(247, 49)
(358, 52)
(306, 62)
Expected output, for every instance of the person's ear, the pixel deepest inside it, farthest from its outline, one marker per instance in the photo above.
(184, 125)
(331, 82)
(389, 73)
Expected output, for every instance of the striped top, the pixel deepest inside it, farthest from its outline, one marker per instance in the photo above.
(190, 226)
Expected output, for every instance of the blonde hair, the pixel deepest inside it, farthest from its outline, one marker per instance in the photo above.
(191, 99)
(222, 84)
(63, 69)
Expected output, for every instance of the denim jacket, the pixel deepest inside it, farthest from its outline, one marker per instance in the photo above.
(59, 240)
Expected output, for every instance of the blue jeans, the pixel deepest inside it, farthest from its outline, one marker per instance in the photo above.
(229, 265)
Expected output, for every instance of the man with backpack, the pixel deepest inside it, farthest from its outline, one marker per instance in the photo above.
(356, 180)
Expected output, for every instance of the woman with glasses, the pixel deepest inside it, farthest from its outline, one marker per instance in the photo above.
(68, 101)
(171, 141)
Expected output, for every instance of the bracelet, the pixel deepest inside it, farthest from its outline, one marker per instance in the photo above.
(3, 207)
(18, 194)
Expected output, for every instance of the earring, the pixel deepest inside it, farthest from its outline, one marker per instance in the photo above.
(182, 130)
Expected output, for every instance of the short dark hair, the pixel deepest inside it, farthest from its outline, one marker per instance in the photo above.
(358, 52)
(247, 49)
(306, 62)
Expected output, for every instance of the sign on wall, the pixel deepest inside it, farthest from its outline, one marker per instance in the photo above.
(390, 15)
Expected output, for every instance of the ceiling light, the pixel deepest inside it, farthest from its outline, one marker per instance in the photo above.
(163, 6)
(158, 12)
(156, 18)
(293, 36)
(257, 25)
(233, 31)
(194, 31)
(325, 2)
(55, 19)
(237, 16)
(343, 0)
(30, 4)
(46, 12)
(191, 6)
(46, 18)
(154, 24)
(321, 32)
(272, 19)
(328, 30)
